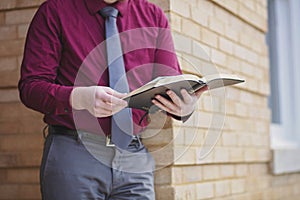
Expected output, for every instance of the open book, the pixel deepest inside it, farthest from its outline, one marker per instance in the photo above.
(141, 98)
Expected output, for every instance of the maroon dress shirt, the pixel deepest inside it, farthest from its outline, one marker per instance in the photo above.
(65, 49)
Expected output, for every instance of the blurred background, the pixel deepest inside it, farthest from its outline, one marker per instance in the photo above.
(257, 154)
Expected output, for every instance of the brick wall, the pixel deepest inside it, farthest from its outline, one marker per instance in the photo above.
(20, 129)
(231, 34)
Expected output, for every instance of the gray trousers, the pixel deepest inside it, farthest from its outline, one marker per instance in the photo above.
(84, 168)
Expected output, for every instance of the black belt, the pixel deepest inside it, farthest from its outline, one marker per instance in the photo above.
(60, 130)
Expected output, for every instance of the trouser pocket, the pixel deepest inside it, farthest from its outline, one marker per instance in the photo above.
(46, 153)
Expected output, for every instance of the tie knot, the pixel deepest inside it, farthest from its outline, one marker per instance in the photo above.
(109, 12)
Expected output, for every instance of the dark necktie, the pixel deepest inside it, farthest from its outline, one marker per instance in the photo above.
(122, 125)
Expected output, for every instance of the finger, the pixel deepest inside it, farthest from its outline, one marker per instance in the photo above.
(103, 113)
(199, 92)
(170, 105)
(105, 106)
(187, 98)
(176, 100)
(161, 106)
(111, 99)
(114, 92)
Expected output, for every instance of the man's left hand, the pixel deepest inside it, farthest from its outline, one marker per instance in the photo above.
(177, 106)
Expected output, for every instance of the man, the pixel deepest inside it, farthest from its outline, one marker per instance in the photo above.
(79, 160)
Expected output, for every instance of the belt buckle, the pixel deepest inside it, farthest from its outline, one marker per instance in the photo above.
(109, 142)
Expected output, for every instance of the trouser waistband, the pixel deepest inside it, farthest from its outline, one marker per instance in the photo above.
(60, 130)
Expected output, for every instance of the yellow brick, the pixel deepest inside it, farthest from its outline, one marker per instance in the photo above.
(175, 22)
(28, 3)
(201, 51)
(163, 155)
(218, 57)
(165, 192)
(258, 169)
(193, 137)
(231, 33)
(184, 155)
(22, 176)
(179, 136)
(241, 170)
(251, 154)
(180, 7)
(222, 188)
(192, 174)
(205, 7)
(19, 16)
(25, 191)
(223, 15)
(245, 13)
(244, 140)
(8, 32)
(8, 64)
(221, 154)
(205, 190)
(157, 136)
(264, 155)
(191, 29)
(246, 39)
(204, 155)
(207, 103)
(226, 171)
(199, 16)
(231, 5)
(177, 175)
(9, 95)
(216, 25)
(234, 64)
(182, 43)
(252, 57)
(210, 38)
(240, 52)
(211, 172)
(163, 176)
(202, 119)
(7, 4)
(185, 192)
(241, 109)
(229, 139)
(22, 30)
(248, 69)
(250, 4)
(11, 47)
(237, 186)
(226, 45)
(296, 188)
(32, 142)
(236, 154)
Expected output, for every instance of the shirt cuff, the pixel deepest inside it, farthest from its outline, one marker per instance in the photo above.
(63, 105)
(181, 118)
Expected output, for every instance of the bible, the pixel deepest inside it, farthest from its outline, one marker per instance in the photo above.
(141, 98)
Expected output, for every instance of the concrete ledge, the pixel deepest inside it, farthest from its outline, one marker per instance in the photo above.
(286, 160)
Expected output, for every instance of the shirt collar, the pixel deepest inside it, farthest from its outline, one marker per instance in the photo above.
(95, 5)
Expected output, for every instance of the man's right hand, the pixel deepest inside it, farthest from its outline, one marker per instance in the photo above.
(100, 101)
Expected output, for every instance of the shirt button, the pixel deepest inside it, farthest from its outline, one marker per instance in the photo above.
(66, 110)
